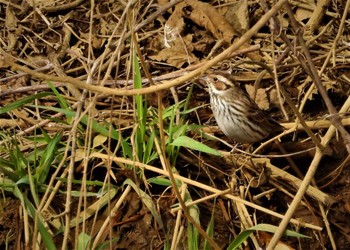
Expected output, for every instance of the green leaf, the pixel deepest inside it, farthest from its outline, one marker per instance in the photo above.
(272, 229)
(83, 241)
(26, 204)
(243, 236)
(210, 230)
(7, 184)
(192, 235)
(18, 160)
(140, 104)
(105, 245)
(46, 160)
(95, 125)
(187, 102)
(94, 208)
(169, 111)
(127, 151)
(159, 181)
(149, 154)
(62, 101)
(187, 142)
(7, 168)
(23, 101)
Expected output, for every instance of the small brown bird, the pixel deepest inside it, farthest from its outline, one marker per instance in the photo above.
(236, 114)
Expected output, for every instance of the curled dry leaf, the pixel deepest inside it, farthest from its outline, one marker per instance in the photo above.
(260, 96)
(274, 101)
(42, 3)
(173, 27)
(11, 26)
(237, 16)
(204, 15)
(208, 17)
(179, 54)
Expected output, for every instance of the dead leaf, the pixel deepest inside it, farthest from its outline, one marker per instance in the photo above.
(302, 213)
(265, 238)
(42, 3)
(260, 98)
(208, 17)
(96, 41)
(11, 26)
(204, 42)
(237, 16)
(202, 14)
(99, 140)
(274, 101)
(302, 13)
(174, 26)
(179, 54)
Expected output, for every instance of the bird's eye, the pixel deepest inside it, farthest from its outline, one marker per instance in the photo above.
(215, 79)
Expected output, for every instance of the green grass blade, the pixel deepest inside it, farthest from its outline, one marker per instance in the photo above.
(272, 229)
(159, 180)
(83, 241)
(96, 127)
(127, 151)
(46, 159)
(62, 101)
(210, 230)
(140, 104)
(185, 141)
(149, 154)
(7, 168)
(187, 101)
(22, 102)
(105, 245)
(243, 236)
(20, 162)
(46, 236)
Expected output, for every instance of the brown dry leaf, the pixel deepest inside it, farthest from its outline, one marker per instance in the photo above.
(162, 2)
(237, 16)
(38, 61)
(284, 21)
(261, 97)
(204, 43)
(303, 214)
(204, 15)
(302, 88)
(179, 54)
(96, 41)
(302, 13)
(265, 238)
(208, 17)
(43, 3)
(11, 25)
(174, 26)
(273, 97)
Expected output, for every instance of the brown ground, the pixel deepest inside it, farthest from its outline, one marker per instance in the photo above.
(60, 43)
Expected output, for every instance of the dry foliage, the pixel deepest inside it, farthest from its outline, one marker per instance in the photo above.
(85, 49)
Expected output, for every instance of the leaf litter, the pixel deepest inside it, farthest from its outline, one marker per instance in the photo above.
(63, 40)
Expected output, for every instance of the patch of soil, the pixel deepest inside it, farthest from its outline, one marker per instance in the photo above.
(10, 223)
